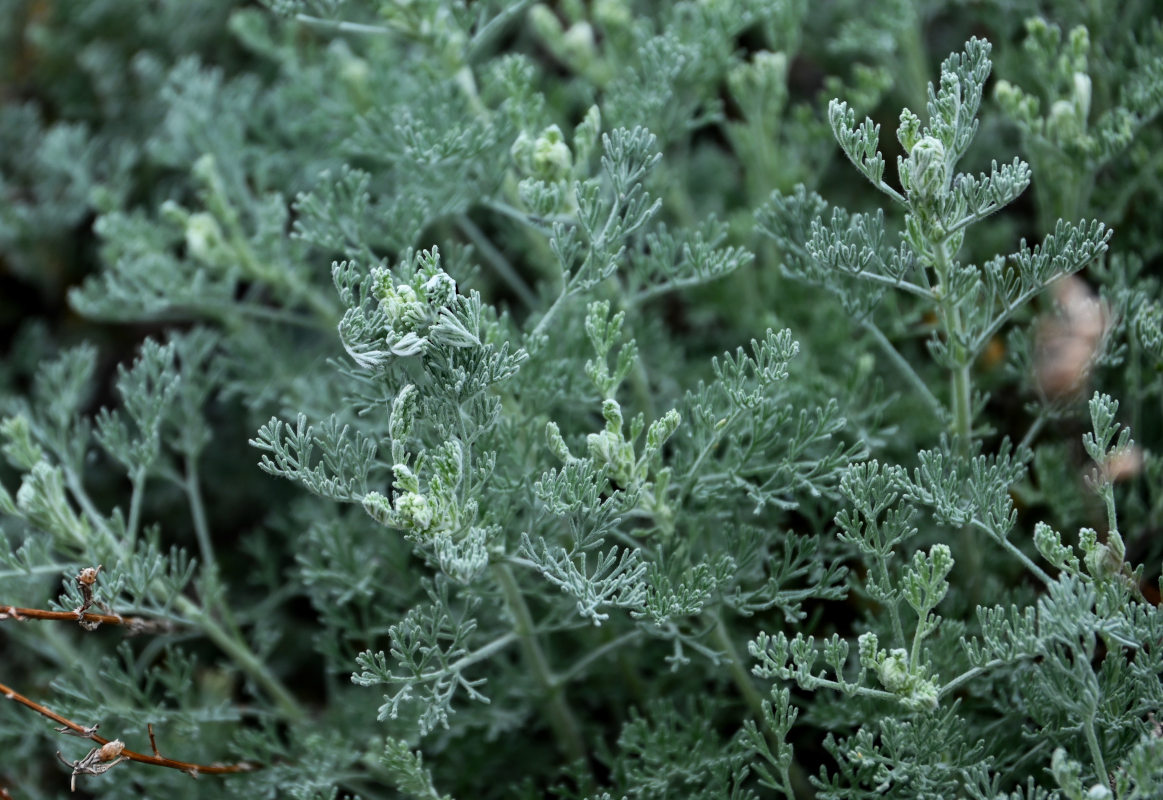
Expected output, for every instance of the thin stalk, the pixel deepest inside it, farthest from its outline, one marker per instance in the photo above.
(894, 611)
(960, 379)
(598, 653)
(1033, 431)
(156, 759)
(739, 675)
(243, 657)
(543, 323)
(344, 27)
(754, 700)
(902, 364)
(497, 259)
(193, 489)
(1013, 549)
(969, 675)
(1095, 750)
(483, 38)
(137, 480)
(561, 718)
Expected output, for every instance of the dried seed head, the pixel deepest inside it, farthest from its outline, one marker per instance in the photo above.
(88, 576)
(1068, 342)
(111, 750)
(1123, 464)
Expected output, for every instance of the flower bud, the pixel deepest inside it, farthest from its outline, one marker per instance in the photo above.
(378, 508)
(1082, 91)
(551, 158)
(893, 672)
(440, 289)
(415, 511)
(404, 409)
(205, 241)
(928, 173)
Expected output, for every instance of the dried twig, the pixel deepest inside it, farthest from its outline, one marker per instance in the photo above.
(134, 624)
(86, 580)
(110, 752)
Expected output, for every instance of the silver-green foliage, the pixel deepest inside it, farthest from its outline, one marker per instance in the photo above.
(589, 491)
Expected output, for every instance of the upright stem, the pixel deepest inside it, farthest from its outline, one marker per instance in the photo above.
(193, 489)
(961, 382)
(1095, 750)
(795, 783)
(561, 718)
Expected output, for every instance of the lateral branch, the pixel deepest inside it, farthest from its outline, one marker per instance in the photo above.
(87, 619)
(110, 751)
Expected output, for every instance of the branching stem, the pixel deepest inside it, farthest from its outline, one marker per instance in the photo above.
(135, 624)
(156, 759)
(561, 718)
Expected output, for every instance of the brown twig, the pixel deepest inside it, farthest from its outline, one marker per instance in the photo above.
(86, 579)
(96, 761)
(135, 624)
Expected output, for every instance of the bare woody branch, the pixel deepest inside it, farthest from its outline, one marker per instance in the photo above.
(91, 620)
(111, 751)
(86, 579)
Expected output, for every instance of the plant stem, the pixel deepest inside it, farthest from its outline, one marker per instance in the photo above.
(902, 364)
(561, 718)
(243, 657)
(497, 259)
(795, 781)
(193, 488)
(1095, 750)
(156, 759)
(138, 482)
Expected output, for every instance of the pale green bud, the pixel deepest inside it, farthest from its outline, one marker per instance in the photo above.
(545, 23)
(204, 240)
(662, 429)
(379, 508)
(1064, 121)
(867, 646)
(1082, 93)
(612, 413)
(577, 45)
(404, 409)
(608, 448)
(557, 444)
(1016, 103)
(522, 152)
(1099, 792)
(928, 172)
(415, 511)
(406, 312)
(1079, 40)
(893, 671)
(440, 289)
(406, 480)
(205, 169)
(908, 133)
(550, 158)
(613, 13)
(21, 450)
(921, 695)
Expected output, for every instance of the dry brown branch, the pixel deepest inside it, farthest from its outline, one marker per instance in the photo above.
(110, 752)
(88, 619)
(86, 579)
